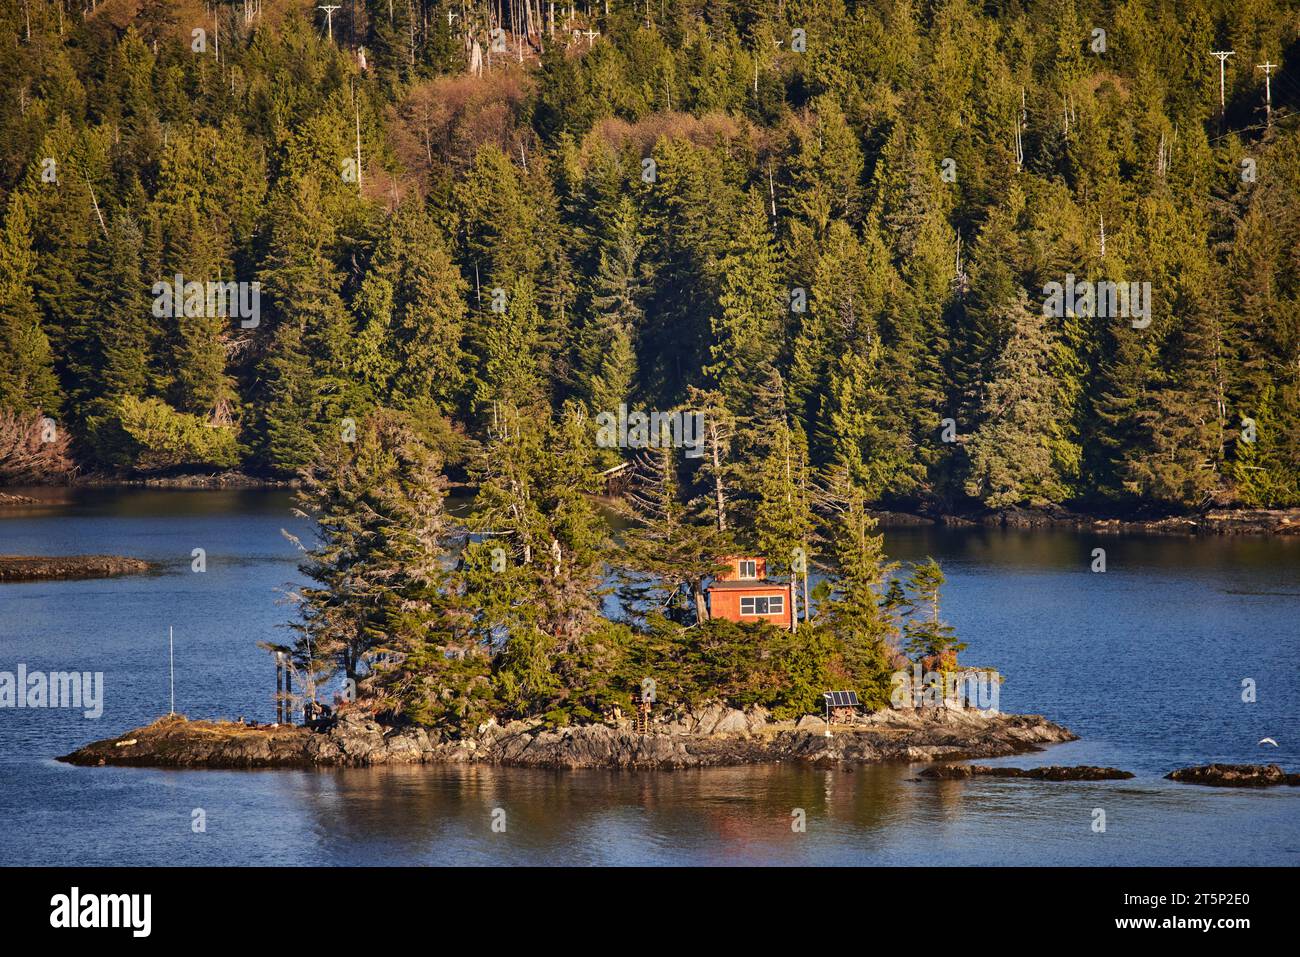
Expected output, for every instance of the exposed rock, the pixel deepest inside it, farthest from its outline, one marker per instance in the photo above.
(355, 739)
(1277, 521)
(733, 721)
(1235, 776)
(756, 717)
(888, 519)
(29, 568)
(1029, 518)
(707, 720)
(1054, 772)
(14, 500)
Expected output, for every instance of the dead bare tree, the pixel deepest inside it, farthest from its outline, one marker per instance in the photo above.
(34, 450)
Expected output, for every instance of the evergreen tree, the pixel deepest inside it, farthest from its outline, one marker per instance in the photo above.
(607, 355)
(414, 298)
(308, 392)
(27, 380)
(783, 519)
(114, 353)
(853, 611)
(666, 552)
(748, 329)
(377, 566)
(1011, 454)
(1265, 466)
(517, 351)
(929, 639)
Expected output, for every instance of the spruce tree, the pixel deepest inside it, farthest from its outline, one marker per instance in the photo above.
(1011, 454)
(929, 639)
(783, 517)
(606, 360)
(748, 329)
(27, 380)
(853, 610)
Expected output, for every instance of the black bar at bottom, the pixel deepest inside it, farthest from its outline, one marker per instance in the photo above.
(210, 906)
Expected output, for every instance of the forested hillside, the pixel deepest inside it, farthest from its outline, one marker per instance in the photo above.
(829, 225)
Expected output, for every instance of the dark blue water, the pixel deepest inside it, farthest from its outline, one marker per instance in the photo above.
(1145, 662)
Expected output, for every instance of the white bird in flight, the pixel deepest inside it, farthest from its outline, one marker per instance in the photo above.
(1268, 741)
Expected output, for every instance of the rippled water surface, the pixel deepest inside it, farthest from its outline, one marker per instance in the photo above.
(1144, 662)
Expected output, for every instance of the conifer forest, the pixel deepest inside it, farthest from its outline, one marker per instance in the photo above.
(741, 274)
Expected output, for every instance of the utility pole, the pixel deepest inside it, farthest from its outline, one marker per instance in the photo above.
(1268, 69)
(1017, 142)
(357, 104)
(1223, 58)
(329, 18)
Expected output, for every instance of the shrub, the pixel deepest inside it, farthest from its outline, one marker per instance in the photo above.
(150, 436)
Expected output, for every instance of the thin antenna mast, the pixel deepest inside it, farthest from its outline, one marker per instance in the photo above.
(171, 658)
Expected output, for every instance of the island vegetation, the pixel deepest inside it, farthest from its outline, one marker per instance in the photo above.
(447, 239)
(450, 622)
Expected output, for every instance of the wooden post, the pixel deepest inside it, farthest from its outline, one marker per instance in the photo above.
(288, 693)
(279, 687)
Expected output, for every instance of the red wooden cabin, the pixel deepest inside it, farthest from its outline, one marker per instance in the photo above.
(742, 593)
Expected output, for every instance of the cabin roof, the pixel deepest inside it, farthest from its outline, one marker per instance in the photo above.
(747, 585)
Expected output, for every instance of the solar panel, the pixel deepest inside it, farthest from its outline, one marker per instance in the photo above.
(842, 699)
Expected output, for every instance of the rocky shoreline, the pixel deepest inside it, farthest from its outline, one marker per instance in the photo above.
(715, 737)
(1235, 776)
(1051, 772)
(11, 500)
(1223, 521)
(1226, 521)
(31, 568)
(212, 480)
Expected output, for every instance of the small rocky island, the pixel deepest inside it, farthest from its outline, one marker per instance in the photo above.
(30, 568)
(1052, 772)
(1235, 776)
(715, 736)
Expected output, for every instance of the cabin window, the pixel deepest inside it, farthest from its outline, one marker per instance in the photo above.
(764, 605)
(748, 568)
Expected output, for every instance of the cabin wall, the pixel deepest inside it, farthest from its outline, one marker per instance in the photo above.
(733, 569)
(725, 603)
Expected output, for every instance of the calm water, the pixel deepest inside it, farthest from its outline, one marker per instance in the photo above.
(1144, 662)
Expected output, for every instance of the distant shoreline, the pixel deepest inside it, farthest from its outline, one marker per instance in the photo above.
(1227, 521)
(1220, 521)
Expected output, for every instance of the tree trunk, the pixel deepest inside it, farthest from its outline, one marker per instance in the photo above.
(719, 492)
(701, 610)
